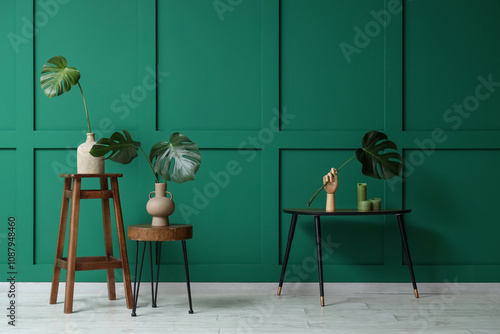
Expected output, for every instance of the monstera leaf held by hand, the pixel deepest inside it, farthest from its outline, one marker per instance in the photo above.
(57, 78)
(376, 162)
(182, 153)
(122, 148)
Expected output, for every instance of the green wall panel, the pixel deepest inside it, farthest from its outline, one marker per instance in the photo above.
(223, 204)
(9, 46)
(453, 207)
(351, 236)
(219, 75)
(326, 89)
(213, 66)
(103, 51)
(452, 73)
(7, 196)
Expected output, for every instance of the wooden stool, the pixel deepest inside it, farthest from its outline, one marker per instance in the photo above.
(73, 263)
(148, 233)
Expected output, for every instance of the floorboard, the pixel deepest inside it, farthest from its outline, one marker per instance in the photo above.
(223, 308)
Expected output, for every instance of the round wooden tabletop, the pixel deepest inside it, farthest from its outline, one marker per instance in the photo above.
(147, 232)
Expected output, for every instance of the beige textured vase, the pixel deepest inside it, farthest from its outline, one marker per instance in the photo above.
(85, 162)
(160, 206)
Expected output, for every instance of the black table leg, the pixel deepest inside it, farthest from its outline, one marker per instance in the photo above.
(184, 250)
(402, 230)
(287, 252)
(136, 291)
(320, 259)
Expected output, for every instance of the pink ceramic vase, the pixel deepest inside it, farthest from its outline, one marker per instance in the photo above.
(160, 206)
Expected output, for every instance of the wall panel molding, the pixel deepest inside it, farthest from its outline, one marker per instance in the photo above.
(266, 86)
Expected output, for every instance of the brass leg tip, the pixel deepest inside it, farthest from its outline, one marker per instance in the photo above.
(279, 291)
(416, 293)
(322, 300)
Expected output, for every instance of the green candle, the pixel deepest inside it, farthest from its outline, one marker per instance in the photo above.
(365, 206)
(361, 193)
(376, 204)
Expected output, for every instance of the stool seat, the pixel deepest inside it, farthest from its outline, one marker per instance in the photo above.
(80, 176)
(73, 191)
(148, 232)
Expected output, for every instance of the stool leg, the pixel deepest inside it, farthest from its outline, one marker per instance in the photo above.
(108, 242)
(158, 256)
(184, 250)
(60, 242)
(73, 236)
(320, 259)
(136, 291)
(153, 304)
(122, 242)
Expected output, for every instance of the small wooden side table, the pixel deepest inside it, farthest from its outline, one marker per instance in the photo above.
(149, 233)
(108, 262)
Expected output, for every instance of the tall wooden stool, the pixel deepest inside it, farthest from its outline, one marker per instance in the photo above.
(107, 262)
(149, 233)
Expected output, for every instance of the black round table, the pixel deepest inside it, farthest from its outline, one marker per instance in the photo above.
(317, 213)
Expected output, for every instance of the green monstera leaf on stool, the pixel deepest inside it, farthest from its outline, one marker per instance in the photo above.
(122, 149)
(57, 78)
(376, 162)
(182, 153)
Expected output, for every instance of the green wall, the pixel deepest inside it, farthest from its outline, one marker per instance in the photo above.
(275, 93)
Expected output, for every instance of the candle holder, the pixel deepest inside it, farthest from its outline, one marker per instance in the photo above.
(365, 206)
(361, 193)
(376, 204)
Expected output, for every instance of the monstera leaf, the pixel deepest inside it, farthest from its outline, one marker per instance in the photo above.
(122, 148)
(57, 78)
(182, 153)
(376, 162)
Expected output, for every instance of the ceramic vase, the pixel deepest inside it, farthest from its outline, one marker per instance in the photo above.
(160, 206)
(85, 162)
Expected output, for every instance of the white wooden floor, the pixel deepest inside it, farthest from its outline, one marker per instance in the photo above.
(255, 308)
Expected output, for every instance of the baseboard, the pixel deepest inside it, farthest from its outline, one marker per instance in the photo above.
(289, 288)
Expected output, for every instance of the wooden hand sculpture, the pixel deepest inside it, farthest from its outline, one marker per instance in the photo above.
(331, 182)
